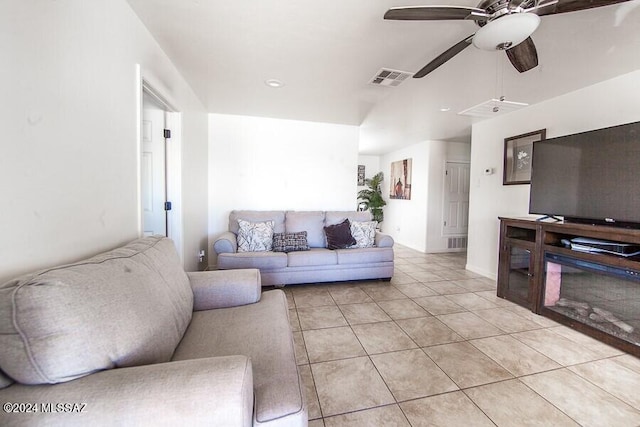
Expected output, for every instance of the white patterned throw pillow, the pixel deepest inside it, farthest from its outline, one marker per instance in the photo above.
(255, 236)
(364, 233)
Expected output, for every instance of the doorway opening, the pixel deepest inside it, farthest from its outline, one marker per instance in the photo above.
(153, 168)
(160, 166)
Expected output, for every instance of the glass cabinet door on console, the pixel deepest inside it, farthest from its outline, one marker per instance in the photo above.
(517, 266)
(517, 284)
(520, 269)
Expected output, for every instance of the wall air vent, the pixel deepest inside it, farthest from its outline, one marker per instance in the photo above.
(457, 243)
(492, 108)
(387, 77)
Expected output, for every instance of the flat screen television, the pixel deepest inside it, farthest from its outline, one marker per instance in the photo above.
(589, 177)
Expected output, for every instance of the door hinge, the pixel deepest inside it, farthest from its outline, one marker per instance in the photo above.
(167, 133)
(167, 206)
(445, 223)
(446, 172)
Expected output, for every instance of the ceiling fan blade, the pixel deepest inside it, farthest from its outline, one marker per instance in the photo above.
(564, 6)
(435, 13)
(523, 56)
(443, 57)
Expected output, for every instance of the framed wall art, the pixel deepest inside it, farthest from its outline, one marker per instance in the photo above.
(360, 175)
(401, 180)
(518, 153)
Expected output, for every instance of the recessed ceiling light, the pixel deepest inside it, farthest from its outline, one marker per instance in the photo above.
(445, 109)
(275, 83)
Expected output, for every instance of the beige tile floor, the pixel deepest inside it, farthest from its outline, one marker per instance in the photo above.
(436, 347)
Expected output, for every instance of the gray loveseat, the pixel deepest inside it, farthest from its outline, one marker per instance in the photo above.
(318, 264)
(128, 338)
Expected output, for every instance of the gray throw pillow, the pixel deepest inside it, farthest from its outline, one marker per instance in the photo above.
(290, 242)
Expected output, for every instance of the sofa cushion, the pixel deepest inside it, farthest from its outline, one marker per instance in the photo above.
(336, 217)
(262, 332)
(315, 256)
(255, 236)
(260, 260)
(339, 235)
(309, 221)
(126, 307)
(290, 242)
(216, 391)
(257, 216)
(364, 233)
(364, 256)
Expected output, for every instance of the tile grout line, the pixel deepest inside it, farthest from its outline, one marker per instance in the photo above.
(470, 341)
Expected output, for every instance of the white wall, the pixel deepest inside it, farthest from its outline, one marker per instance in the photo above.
(272, 164)
(608, 103)
(406, 220)
(68, 169)
(195, 169)
(417, 223)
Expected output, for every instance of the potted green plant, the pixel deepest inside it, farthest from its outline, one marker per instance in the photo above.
(372, 197)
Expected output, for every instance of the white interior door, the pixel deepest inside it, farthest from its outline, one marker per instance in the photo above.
(153, 168)
(456, 199)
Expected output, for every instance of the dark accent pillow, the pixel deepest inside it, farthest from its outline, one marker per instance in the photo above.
(290, 242)
(339, 235)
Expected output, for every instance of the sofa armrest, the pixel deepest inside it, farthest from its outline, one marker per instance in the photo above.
(225, 288)
(226, 243)
(383, 240)
(209, 391)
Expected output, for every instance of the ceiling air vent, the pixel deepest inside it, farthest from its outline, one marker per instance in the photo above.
(387, 77)
(492, 108)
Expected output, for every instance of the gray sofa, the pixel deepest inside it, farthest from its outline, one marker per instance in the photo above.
(128, 338)
(318, 264)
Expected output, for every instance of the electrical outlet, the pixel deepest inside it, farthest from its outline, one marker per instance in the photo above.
(201, 255)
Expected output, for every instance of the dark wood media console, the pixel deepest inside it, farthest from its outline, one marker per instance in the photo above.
(595, 293)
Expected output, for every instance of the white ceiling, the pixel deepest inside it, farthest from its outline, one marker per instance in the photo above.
(326, 52)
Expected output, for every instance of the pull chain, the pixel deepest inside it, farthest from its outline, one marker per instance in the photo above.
(499, 83)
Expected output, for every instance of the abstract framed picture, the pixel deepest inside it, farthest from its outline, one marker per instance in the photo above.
(401, 180)
(518, 153)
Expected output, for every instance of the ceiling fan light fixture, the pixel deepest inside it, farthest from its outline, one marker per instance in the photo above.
(506, 32)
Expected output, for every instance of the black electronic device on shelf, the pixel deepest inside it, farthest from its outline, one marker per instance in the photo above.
(584, 244)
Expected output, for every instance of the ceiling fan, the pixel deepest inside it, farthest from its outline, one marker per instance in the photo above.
(504, 25)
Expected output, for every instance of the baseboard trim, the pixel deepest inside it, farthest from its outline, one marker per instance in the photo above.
(489, 274)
